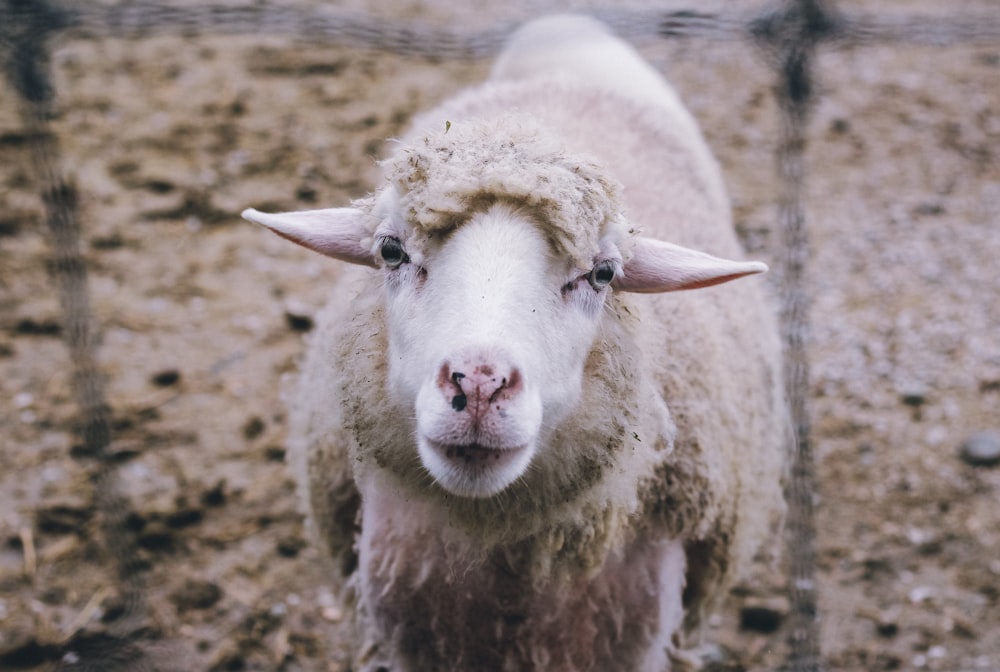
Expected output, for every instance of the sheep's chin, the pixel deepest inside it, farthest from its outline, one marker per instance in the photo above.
(474, 471)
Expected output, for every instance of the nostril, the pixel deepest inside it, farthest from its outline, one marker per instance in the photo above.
(513, 383)
(452, 382)
(508, 386)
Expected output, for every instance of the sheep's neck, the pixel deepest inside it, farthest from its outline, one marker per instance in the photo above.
(450, 607)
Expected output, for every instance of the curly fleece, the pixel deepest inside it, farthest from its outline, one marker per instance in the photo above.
(468, 166)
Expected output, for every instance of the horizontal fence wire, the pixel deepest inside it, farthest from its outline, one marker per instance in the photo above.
(932, 31)
(350, 28)
(789, 33)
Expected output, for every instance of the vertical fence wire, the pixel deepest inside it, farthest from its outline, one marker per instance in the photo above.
(28, 73)
(803, 626)
(790, 37)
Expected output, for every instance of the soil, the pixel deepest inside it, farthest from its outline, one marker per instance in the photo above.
(200, 316)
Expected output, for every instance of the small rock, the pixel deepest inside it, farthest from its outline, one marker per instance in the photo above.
(156, 537)
(915, 396)
(333, 614)
(29, 326)
(216, 495)
(196, 594)
(306, 193)
(184, 517)
(253, 428)
(297, 317)
(989, 59)
(713, 655)
(887, 627)
(110, 242)
(840, 126)
(274, 453)
(982, 449)
(763, 615)
(921, 594)
(930, 209)
(165, 378)
(289, 547)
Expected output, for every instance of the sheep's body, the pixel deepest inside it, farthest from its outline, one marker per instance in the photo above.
(580, 564)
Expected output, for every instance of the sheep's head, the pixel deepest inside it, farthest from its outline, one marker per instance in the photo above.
(498, 254)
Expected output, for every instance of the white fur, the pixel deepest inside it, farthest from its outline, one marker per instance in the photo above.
(532, 450)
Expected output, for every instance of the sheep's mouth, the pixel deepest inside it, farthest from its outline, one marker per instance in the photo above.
(474, 470)
(475, 455)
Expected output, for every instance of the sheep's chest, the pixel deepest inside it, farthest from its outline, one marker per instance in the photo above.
(427, 604)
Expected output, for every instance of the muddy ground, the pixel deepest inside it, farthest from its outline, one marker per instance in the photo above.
(200, 316)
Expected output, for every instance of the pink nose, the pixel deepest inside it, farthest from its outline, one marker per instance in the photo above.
(479, 385)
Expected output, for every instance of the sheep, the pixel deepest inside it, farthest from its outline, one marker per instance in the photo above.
(524, 448)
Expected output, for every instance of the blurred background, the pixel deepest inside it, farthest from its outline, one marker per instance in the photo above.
(164, 128)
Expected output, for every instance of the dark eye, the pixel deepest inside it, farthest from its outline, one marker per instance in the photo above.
(393, 253)
(601, 275)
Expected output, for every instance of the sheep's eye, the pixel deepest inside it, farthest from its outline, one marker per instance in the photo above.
(392, 252)
(601, 275)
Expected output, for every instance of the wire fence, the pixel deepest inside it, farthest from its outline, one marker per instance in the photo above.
(790, 34)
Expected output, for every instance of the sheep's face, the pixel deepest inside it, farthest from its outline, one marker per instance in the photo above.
(490, 321)
(489, 329)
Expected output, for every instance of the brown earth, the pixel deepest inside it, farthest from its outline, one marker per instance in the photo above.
(201, 315)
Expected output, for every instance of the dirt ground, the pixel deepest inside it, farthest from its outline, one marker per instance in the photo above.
(201, 316)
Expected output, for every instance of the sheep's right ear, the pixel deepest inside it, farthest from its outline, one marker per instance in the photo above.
(336, 232)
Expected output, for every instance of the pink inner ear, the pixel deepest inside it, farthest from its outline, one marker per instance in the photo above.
(335, 232)
(657, 266)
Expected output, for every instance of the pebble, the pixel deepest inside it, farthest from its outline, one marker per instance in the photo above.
(763, 615)
(299, 323)
(920, 594)
(298, 317)
(253, 427)
(165, 378)
(982, 449)
(915, 396)
(289, 547)
(196, 594)
(887, 628)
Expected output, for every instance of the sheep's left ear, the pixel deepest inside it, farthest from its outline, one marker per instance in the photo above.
(657, 266)
(336, 232)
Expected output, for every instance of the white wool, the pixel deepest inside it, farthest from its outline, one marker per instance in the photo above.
(442, 177)
(667, 474)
